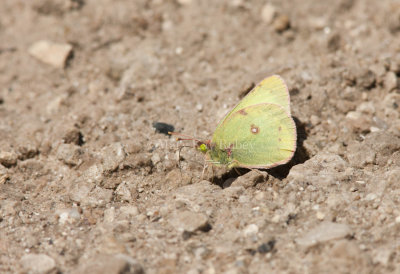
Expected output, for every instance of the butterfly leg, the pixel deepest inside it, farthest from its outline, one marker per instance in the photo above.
(237, 171)
(204, 169)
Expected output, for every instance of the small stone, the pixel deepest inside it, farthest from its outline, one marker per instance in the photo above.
(391, 81)
(276, 218)
(38, 263)
(358, 122)
(251, 179)
(382, 256)
(88, 194)
(129, 211)
(68, 216)
(371, 197)
(155, 158)
(199, 107)
(320, 215)
(250, 230)
(397, 220)
(189, 221)
(334, 42)
(124, 192)
(4, 175)
(268, 13)
(324, 232)
(111, 264)
(395, 65)
(266, 247)
(70, 154)
(8, 159)
(367, 108)
(184, 2)
(113, 156)
(53, 54)
(109, 215)
(73, 136)
(366, 79)
(315, 120)
(281, 23)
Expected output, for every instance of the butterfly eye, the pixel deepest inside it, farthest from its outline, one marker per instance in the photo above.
(203, 148)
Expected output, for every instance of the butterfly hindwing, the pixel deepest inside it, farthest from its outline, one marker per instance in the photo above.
(257, 136)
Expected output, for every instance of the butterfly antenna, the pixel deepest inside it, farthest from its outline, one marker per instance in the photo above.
(186, 137)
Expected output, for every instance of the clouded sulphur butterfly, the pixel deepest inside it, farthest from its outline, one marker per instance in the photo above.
(258, 132)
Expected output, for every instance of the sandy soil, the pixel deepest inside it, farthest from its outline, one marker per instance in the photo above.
(87, 185)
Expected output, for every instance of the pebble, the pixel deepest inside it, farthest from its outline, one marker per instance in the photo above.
(70, 216)
(334, 41)
(250, 230)
(129, 210)
(8, 159)
(70, 154)
(268, 13)
(123, 191)
(366, 79)
(38, 263)
(391, 81)
(250, 179)
(88, 194)
(397, 220)
(324, 232)
(4, 176)
(51, 53)
(371, 197)
(184, 2)
(113, 155)
(111, 264)
(320, 216)
(189, 221)
(281, 23)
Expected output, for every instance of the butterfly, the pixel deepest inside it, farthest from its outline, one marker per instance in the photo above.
(258, 133)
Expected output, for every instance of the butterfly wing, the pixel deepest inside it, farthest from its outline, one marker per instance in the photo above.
(256, 136)
(272, 90)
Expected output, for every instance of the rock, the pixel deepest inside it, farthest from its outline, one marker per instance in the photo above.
(366, 79)
(250, 230)
(251, 179)
(110, 264)
(324, 232)
(113, 156)
(358, 122)
(323, 170)
(382, 255)
(88, 194)
(53, 54)
(268, 13)
(129, 211)
(70, 154)
(123, 191)
(266, 247)
(184, 2)
(189, 221)
(334, 42)
(38, 263)
(281, 23)
(8, 159)
(358, 156)
(4, 176)
(73, 136)
(391, 81)
(70, 216)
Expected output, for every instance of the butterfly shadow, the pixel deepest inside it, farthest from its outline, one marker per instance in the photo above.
(225, 177)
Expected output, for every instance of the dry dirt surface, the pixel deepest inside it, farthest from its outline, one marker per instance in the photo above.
(88, 185)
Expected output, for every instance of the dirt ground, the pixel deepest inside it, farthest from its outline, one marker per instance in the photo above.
(87, 184)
